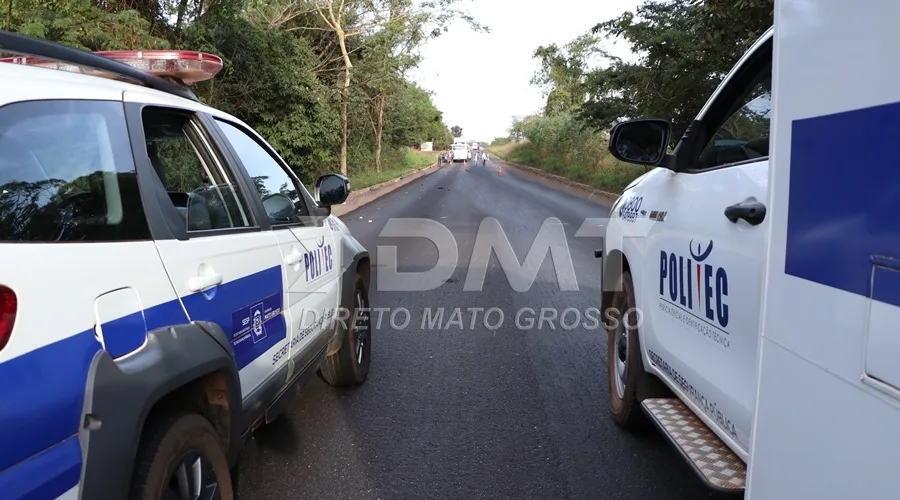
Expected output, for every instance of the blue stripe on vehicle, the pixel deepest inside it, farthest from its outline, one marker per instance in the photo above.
(42, 392)
(47, 475)
(124, 335)
(844, 199)
(229, 300)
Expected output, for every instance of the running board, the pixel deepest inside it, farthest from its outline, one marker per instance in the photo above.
(716, 464)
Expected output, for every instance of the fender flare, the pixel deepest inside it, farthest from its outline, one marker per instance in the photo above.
(121, 395)
(355, 263)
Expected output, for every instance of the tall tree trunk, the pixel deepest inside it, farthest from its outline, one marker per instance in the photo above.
(182, 7)
(379, 129)
(345, 96)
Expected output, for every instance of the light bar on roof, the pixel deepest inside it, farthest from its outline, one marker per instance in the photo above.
(184, 66)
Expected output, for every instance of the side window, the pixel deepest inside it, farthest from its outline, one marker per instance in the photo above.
(745, 134)
(67, 174)
(203, 192)
(279, 193)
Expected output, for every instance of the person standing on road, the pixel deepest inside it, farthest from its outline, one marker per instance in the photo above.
(484, 158)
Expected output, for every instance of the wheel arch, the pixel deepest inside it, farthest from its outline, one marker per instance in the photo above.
(181, 367)
(614, 262)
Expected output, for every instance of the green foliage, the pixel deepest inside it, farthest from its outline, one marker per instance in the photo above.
(409, 160)
(412, 118)
(563, 145)
(282, 70)
(456, 130)
(562, 74)
(684, 48)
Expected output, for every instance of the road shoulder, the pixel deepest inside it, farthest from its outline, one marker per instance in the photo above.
(560, 183)
(358, 199)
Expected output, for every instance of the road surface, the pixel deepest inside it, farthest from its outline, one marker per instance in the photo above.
(469, 412)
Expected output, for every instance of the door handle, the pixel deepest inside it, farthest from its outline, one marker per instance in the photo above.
(204, 283)
(752, 212)
(293, 258)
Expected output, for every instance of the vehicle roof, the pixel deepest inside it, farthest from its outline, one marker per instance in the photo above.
(19, 82)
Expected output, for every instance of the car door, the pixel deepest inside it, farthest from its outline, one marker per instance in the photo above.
(221, 259)
(703, 303)
(309, 251)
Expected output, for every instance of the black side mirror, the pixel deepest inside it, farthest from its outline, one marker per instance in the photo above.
(332, 189)
(640, 141)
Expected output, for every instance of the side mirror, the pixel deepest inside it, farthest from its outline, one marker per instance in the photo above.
(640, 141)
(332, 189)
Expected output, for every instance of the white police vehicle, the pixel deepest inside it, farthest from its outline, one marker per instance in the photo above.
(769, 283)
(166, 279)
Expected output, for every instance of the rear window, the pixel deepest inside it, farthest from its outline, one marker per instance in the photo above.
(66, 174)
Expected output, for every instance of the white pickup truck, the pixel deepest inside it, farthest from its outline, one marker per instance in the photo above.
(760, 263)
(460, 151)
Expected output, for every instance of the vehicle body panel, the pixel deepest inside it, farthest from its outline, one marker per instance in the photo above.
(828, 406)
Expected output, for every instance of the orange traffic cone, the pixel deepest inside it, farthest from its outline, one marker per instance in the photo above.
(499, 170)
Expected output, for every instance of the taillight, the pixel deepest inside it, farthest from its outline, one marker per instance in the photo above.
(8, 307)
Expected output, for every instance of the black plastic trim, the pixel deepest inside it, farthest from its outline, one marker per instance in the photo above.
(232, 162)
(25, 45)
(162, 217)
(700, 131)
(122, 393)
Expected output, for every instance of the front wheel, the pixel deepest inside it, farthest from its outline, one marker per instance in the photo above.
(629, 384)
(350, 365)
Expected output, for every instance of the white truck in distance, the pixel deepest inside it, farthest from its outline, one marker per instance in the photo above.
(460, 151)
(763, 258)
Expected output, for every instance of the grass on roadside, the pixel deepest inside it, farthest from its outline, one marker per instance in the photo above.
(412, 160)
(604, 172)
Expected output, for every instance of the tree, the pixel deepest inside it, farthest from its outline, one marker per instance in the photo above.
(685, 48)
(456, 130)
(283, 68)
(563, 71)
(347, 19)
(519, 125)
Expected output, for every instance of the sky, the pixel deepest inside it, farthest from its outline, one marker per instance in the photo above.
(481, 80)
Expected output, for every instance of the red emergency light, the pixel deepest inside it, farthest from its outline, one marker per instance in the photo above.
(182, 66)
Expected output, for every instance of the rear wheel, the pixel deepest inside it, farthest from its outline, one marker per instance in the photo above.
(350, 365)
(181, 457)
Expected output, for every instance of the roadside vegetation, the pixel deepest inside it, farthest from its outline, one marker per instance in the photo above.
(323, 81)
(683, 49)
(409, 161)
(559, 146)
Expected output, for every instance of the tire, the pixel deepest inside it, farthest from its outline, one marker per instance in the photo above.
(175, 442)
(628, 389)
(350, 365)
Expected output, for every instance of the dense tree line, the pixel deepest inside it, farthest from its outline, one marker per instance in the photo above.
(324, 81)
(683, 50)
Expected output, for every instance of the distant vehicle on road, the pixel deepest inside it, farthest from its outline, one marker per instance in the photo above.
(460, 152)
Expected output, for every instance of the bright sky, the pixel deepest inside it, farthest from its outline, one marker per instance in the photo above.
(480, 81)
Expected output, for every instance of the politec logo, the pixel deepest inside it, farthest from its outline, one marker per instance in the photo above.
(318, 261)
(693, 282)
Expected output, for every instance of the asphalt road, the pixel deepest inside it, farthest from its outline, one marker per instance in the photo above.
(463, 412)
